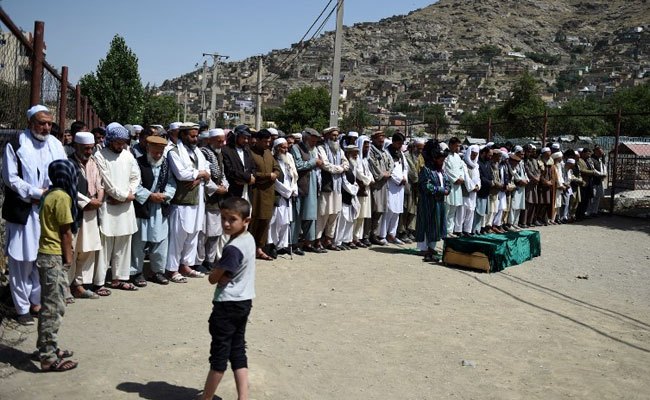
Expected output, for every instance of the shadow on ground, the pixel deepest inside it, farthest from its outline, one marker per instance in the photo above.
(160, 391)
(621, 223)
(18, 359)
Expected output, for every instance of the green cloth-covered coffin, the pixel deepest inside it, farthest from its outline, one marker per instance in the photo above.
(499, 251)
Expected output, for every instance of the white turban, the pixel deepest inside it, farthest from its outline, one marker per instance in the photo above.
(84, 138)
(278, 142)
(274, 132)
(545, 149)
(216, 132)
(570, 161)
(174, 125)
(297, 135)
(353, 134)
(36, 109)
(557, 154)
(518, 149)
(533, 147)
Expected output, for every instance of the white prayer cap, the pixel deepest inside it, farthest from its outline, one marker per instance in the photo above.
(518, 149)
(420, 140)
(443, 146)
(84, 138)
(174, 125)
(353, 134)
(545, 149)
(580, 149)
(555, 146)
(273, 131)
(557, 154)
(481, 147)
(279, 141)
(138, 128)
(533, 147)
(204, 135)
(216, 132)
(570, 161)
(489, 144)
(297, 135)
(36, 109)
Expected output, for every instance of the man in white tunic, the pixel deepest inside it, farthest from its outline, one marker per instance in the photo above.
(211, 238)
(172, 136)
(329, 202)
(471, 186)
(396, 185)
(520, 179)
(120, 178)
(454, 170)
(286, 189)
(88, 241)
(192, 172)
(365, 180)
(381, 167)
(351, 207)
(25, 175)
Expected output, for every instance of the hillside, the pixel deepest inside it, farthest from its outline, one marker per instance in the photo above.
(463, 54)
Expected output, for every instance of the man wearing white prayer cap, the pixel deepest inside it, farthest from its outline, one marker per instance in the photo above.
(172, 133)
(560, 186)
(546, 187)
(211, 238)
(351, 138)
(25, 175)
(286, 190)
(87, 242)
(297, 137)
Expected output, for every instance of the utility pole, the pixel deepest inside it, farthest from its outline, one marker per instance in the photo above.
(213, 105)
(204, 86)
(258, 96)
(336, 70)
(185, 101)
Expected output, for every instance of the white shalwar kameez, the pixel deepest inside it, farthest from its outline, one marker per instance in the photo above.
(349, 213)
(472, 178)
(364, 175)
(454, 170)
(120, 177)
(395, 197)
(329, 203)
(283, 214)
(22, 240)
(185, 221)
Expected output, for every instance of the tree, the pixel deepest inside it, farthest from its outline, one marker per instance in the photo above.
(476, 125)
(433, 113)
(357, 119)
(632, 100)
(161, 110)
(305, 107)
(584, 126)
(520, 109)
(115, 89)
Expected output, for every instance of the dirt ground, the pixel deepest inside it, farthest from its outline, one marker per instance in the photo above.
(380, 324)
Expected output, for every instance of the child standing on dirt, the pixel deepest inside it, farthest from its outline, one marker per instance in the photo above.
(58, 213)
(235, 279)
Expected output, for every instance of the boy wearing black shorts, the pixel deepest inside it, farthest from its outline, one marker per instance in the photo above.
(232, 302)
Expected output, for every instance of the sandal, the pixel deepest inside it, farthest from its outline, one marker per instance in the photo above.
(139, 281)
(159, 279)
(102, 291)
(87, 294)
(69, 300)
(193, 274)
(178, 278)
(59, 365)
(64, 353)
(123, 286)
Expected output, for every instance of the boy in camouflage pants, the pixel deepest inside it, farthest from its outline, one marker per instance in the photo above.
(58, 216)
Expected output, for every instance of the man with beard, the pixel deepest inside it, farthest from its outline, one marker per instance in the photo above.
(286, 189)
(329, 203)
(187, 210)
(396, 184)
(532, 198)
(239, 166)
(587, 172)
(351, 138)
(600, 172)
(406, 229)
(172, 136)
(364, 180)
(88, 241)
(25, 175)
(120, 178)
(455, 173)
(545, 189)
(482, 196)
(381, 166)
(139, 149)
(211, 238)
(266, 172)
(307, 165)
(152, 210)
(350, 208)
(498, 186)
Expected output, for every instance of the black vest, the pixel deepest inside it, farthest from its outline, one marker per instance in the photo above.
(146, 174)
(346, 197)
(280, 178)
(14, 209)
(82, 185)
(303, 176)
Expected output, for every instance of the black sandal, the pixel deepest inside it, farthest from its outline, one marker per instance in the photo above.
(123, 286)
(59, 365)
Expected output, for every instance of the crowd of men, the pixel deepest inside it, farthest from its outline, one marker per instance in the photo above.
(150, 192)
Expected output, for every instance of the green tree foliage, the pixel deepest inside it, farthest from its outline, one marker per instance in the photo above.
(525, 103)
(633, 100)
(488, 51)
(306, 107)
(357, 119)
(161, 110)
(433, 113)
(476, 125)
(584, 126)
(115, 89)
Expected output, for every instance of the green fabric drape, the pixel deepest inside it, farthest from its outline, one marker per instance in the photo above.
(502, 250)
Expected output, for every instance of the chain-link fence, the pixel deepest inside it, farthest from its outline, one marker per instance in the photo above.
(15, 77)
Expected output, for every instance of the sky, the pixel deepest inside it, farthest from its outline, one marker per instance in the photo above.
(170, 36)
